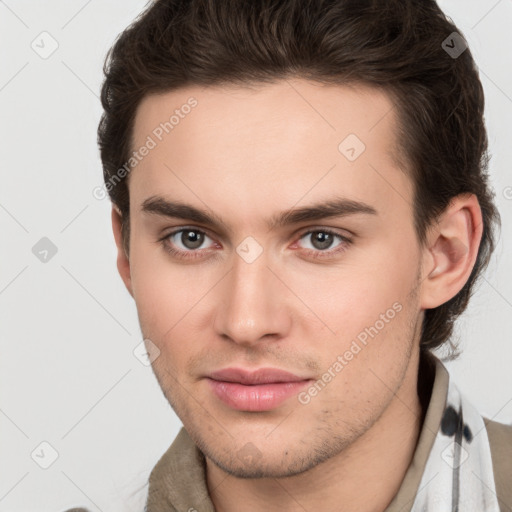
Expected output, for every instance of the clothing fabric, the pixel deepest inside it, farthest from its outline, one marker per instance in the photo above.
(462, 461)
(458, 474)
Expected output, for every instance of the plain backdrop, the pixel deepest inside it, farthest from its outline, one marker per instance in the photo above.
(73, 395)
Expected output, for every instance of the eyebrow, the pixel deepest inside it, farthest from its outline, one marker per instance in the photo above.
(337, 207)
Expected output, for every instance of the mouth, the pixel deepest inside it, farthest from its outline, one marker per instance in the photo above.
(261, 390)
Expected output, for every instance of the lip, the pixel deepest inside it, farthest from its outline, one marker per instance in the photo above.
(260, 376)
(260, 390)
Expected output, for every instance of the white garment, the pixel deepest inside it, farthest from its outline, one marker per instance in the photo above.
(458, 476)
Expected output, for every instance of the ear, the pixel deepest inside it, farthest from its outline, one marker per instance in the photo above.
(123, 263)
(451, 251)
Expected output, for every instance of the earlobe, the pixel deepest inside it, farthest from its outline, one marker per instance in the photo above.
(123, 262)
(452, 250)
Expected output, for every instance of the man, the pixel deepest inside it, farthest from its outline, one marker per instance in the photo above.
(301, 210)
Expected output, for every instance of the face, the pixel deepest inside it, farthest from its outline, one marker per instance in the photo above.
(305, 261)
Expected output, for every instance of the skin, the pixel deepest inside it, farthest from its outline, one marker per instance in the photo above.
(245, 155)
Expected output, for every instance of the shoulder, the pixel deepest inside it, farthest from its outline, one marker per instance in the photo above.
(178, 479)
(500, 441)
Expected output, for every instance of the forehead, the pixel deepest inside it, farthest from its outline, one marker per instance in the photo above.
(290, 139)
(299, 105)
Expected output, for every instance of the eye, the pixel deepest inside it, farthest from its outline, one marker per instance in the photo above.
(189, 238)
(185, 242)
(323, 239)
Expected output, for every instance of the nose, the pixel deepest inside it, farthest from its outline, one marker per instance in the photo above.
(253, 304)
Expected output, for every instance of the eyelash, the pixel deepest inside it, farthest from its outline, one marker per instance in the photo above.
(316, 254)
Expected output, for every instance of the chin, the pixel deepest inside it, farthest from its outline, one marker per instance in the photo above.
(264, 468)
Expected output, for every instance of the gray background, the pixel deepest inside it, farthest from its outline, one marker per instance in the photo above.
(68, 327)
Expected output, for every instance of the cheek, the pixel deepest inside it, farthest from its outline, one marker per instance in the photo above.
(171, 302)
(352, 296)
(164, 292)
(367, 359)
(371, 310)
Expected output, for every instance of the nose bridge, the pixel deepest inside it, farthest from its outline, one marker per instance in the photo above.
(248, 308)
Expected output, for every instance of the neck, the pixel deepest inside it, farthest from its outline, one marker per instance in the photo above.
(364, 477)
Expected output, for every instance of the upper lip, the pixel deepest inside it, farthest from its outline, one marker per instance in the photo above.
(260, 376)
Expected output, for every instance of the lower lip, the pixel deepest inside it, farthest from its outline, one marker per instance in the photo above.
(261, 397)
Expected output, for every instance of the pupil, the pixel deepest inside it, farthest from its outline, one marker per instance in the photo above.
(322, 240)
(192, 239)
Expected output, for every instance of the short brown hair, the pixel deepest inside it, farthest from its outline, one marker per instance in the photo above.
(395, 45)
